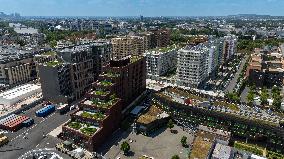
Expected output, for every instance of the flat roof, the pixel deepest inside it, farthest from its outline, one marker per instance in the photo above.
(222, 151)
(18, 91)
(201, 148)
(137, 110)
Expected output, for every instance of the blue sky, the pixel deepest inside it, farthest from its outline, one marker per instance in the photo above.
(141, 7)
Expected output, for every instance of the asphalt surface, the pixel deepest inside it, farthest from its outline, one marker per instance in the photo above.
(30, 138)
(233, 82)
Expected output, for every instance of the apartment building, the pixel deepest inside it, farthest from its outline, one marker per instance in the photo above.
(160, 61)
(43, 58)
(191, 65)
(128, 45)
(132, 77)
(73, 69)
(16, 66)
(162, 38)
(230, 45)
(100, 113)
(55, 79)
(266, 68)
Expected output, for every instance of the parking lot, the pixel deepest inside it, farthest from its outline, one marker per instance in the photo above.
(34, 136)
(156, 145)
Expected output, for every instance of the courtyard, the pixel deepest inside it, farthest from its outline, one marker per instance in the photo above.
(160, 145)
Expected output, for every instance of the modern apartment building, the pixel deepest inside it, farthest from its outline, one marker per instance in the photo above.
(100, 113)
(74, 70)
(127, 45)
(131, 81)
(55, 79)
(80, 59)
(160, 61)
(191, 65)
(43, 58)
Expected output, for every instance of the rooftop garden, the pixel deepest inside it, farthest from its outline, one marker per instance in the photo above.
(135, 58)
(105, 83)
(75, 125)
(111, 74)
(85, 128)
(105, 103)
(96, 116)
(51, 53)
(88, 131)
(53, 63)
(164, 49)
(101, 92)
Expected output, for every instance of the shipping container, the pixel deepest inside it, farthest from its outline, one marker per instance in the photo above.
(28, 122)
(8, 118)
(15, 123)
(43, 112)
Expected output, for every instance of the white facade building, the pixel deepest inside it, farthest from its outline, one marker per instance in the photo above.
(17, 94)
(161, 61)
(191, 65)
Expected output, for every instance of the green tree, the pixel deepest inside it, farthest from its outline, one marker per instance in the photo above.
(250, 97)
(170, 124)
(277, 102)
(53, 43)
(125, 147)
(183, 141)
(175, 157)
(264, 96)
(233, 96)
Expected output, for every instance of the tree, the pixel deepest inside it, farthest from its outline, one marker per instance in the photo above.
(250, 97)
(170, 124)
(125, 147)
(277, 102)
(183, 141)
(264, 96)
(175, 157)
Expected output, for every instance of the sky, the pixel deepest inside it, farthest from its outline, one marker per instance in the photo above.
(141, 7)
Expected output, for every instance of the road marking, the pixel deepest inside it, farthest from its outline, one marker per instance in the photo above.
(33, 126)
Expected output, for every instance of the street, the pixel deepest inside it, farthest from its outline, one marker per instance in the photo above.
(29, 138)
(233, 82)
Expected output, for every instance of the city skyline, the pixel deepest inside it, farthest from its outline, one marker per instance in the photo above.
(141, 7)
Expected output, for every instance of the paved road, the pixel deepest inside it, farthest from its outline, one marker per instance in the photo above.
(29, 138)
(233, 82)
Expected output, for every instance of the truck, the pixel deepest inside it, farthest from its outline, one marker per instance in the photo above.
(28, 122)
(45, 111)
(63, 108)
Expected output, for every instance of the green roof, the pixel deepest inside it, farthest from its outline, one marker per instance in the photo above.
(49, 53)
(53, 63)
